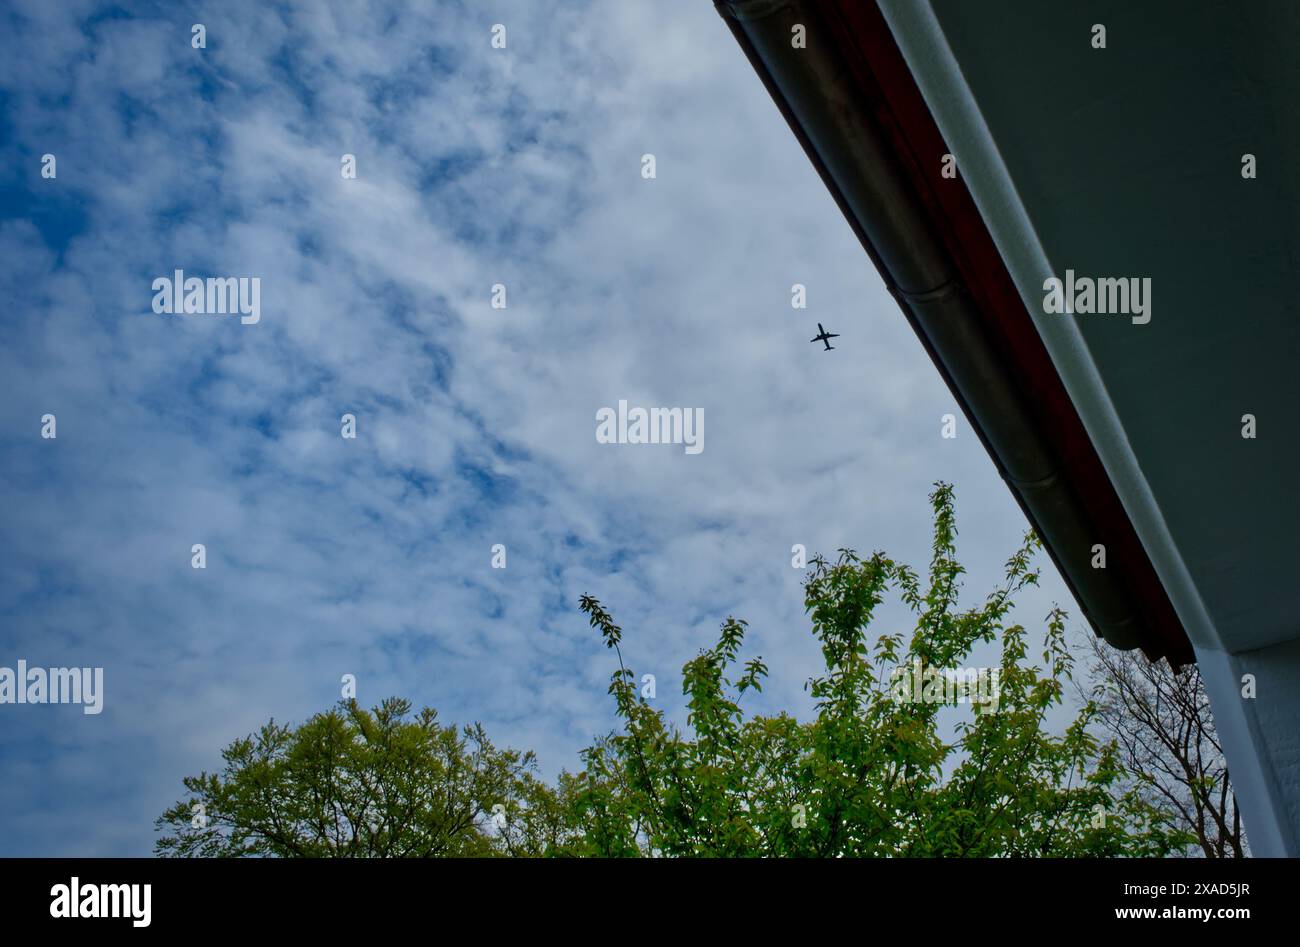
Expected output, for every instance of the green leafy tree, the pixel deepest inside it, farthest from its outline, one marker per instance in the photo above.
(358, 783)
(872, 775)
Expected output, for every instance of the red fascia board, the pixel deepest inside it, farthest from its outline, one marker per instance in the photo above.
(897, 107)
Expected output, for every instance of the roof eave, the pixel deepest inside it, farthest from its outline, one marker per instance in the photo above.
(851, 101)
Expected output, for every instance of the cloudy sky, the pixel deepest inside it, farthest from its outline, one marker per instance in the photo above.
(326, 556)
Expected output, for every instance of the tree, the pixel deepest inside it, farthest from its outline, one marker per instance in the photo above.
(357, 783)
(1161, 722)
(867, 776)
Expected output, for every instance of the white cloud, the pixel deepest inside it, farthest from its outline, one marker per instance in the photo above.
(476, 425)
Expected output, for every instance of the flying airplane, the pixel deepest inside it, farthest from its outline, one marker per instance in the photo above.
(824, 337)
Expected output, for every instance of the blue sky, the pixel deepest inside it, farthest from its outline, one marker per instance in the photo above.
(476, 425)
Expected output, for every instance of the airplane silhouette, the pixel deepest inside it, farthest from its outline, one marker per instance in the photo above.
(824, 337)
